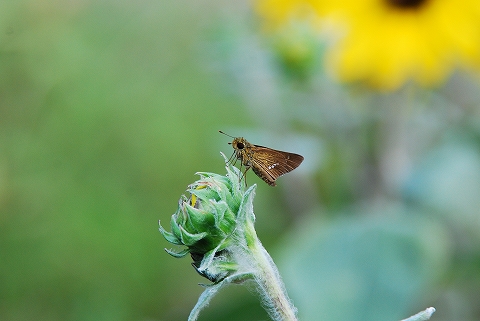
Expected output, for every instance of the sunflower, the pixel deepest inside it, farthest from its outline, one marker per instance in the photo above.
(388, 42)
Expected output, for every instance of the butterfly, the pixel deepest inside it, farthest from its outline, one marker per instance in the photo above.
(267, 163)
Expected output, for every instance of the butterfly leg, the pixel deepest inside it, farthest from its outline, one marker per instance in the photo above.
(244, 174)
(232, 160)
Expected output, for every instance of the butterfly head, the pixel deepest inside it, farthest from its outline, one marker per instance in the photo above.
(239, 143)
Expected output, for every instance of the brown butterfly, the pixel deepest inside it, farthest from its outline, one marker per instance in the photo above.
(267, 163)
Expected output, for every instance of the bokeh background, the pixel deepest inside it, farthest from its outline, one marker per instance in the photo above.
(108, 108)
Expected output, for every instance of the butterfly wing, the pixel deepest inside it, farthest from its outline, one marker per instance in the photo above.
(269, 164)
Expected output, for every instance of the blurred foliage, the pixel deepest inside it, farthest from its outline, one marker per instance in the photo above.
(105, 117)
(109, 108)
(373, 266)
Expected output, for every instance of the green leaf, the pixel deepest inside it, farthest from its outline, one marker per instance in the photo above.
(170, 237)
(234, 175)
(422, 316)
(245, 211)
(190, 239)
(385, 255)
(213, 176)
(174, 227)
(204, 193)
(205, 298)
(211, 262)
(224, 217)
(212, 289)
(177, 254)
(201, 221)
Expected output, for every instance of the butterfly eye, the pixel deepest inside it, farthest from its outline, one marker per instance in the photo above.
(240, 145)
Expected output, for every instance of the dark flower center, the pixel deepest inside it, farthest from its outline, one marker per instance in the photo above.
(406, 4)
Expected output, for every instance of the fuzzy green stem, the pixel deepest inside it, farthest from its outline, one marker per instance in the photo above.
(270, 284)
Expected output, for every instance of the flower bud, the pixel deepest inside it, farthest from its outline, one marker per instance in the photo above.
(205, 223)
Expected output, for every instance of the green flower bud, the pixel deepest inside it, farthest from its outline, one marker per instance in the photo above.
(206, 221)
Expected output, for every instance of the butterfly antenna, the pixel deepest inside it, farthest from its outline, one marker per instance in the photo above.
(225, 134)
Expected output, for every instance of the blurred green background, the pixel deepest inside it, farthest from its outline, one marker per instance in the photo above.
(108, 108)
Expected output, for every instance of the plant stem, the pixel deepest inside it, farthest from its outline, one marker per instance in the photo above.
(270, 284)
